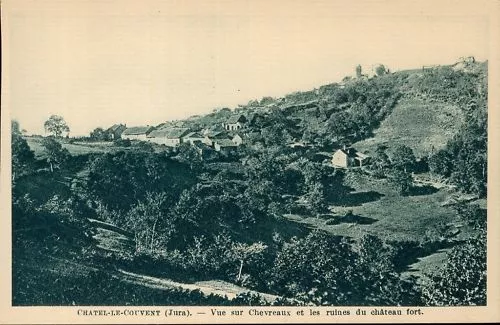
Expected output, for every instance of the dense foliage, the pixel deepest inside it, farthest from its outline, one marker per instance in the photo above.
(22, 156)
(120, 180)
(464, 159)
(329, 271)
(462, 280)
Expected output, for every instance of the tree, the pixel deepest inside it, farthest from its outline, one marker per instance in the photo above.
(148, 219)
(56, 154)
(56, 125)
(473, 215)
(327, 270)
(267, 100)
(379, 282)
(441, 163)
(380, 70)
(403, 158)
(342, 124)
(317, 198)
(22, 155)
(121, 179)
(243, 252)
(402, 180)
(189, 155)
(98, 134)
(318, 268)
(380, 160)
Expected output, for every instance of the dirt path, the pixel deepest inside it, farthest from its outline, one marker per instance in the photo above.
(216, 287)
(112, 238)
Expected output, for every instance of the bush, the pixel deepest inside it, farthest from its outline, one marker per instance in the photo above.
(122, 143)
(249, 298)
(462, 281)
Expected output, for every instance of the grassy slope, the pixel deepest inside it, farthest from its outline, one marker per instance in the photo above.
(395, 218)
(74, 149)
(418, 124)
(388, 214)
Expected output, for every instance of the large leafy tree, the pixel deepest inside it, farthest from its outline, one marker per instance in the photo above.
(402, 180)
(150, 222)
(207, 209)
(98, 134)
(56, 125)
(319, 269)
(325, 270)
(56, 153)
(441, 163)
(403, 158)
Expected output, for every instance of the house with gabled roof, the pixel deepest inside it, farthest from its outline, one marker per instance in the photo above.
(193, 137)
(236, 138)
(137, 133)
(168, 136)
(234, 122)
(115, 132)
(210, 136)
(349, 157)
(224, 145)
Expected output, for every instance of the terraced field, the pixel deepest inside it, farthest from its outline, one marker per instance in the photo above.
(418, 124)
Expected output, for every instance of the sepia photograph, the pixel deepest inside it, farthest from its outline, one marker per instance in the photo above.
(246, 161)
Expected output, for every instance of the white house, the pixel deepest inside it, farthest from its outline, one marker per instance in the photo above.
(349, 157)
(115, 131)
(237, 139)
(136, 133)
(210, 136)
(235, 122)
(193, 137)
(170, 137)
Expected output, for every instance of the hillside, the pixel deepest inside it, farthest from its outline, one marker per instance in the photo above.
(417, 123)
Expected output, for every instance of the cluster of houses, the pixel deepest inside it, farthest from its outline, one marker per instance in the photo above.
(221, 139)
(225, 138)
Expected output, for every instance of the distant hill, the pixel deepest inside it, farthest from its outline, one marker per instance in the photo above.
(422, 108)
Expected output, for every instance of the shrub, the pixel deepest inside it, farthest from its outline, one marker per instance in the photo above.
(122, 143)
(462, 281)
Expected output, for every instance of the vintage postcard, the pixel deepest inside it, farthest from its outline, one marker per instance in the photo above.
(246, 161)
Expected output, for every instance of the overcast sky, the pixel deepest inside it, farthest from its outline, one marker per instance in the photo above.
(97, 63)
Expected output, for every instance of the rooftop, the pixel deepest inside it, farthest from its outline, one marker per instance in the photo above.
(225, 143)
(136, 130)
(235, 119)
(169, 133)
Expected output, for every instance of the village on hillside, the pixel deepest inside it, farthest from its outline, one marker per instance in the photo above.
(224, 138)
(244, 124)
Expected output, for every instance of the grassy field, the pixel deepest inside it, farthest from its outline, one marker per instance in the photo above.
(74, 149)
(417, 124)
(380, 210)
